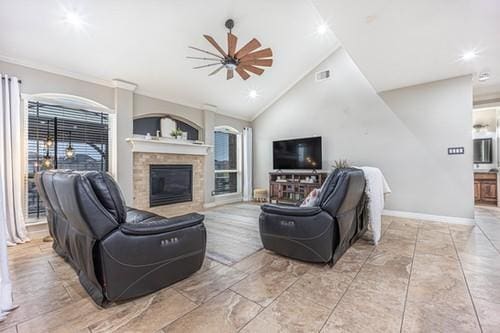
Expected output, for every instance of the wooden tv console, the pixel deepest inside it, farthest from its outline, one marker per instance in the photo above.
(292, 187)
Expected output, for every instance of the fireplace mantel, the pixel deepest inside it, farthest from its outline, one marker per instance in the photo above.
(167, 146)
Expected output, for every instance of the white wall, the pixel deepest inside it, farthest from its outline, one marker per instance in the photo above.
(404, 132)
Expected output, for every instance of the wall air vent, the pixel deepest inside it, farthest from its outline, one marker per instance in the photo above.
(323, 75)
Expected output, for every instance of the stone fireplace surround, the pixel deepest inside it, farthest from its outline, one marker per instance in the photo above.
(167, 152)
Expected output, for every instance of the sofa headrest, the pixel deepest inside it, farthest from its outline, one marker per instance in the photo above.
(345, 189)
(71, 196)
(109, 194)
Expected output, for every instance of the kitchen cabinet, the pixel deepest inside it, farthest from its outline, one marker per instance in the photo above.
(485, 188)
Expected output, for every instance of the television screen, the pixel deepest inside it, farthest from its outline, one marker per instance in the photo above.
(297, 154)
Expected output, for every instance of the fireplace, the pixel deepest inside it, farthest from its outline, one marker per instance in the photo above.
(170, 183)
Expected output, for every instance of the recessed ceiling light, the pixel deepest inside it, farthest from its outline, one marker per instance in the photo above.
(469, 55)
(483, 77)
(322, 29)
(253, 94)
(74, 19)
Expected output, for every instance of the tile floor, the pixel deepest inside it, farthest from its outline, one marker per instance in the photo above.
(423, 277)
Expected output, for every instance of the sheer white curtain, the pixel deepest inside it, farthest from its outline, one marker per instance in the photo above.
(12, 228)
(11, 171)
(247, 164)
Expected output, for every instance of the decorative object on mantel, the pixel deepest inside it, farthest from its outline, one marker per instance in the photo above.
(148, 136)
(167, 125)
(243, 61)
(176, 133)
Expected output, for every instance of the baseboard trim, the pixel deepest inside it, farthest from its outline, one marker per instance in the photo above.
(222, 202)
(428, 217)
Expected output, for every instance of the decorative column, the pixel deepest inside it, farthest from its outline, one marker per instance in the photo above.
(208, 131)
(123, 157)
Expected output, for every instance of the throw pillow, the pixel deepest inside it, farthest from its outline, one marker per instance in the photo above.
(312, 198)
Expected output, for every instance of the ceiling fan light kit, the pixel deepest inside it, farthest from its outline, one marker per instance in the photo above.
(244, 61)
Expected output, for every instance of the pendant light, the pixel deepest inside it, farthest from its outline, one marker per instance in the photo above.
(70, 151)
(47, 161)
(49, 142)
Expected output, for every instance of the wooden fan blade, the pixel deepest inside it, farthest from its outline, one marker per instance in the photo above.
(209, 65)
(207, 52)
(258, 62)
(265, 53)
(249, 47)
(216, 71)
(229, 74)
(231, 44)
(214, 44)
(252, 69)
(244, 75)
(202, 58)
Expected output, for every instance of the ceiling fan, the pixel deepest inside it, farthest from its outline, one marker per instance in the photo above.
(245, 60)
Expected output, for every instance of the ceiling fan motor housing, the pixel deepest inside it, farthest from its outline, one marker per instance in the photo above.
(229, 24)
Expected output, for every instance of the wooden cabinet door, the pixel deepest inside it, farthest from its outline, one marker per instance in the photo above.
(488, 191)
(477, 191)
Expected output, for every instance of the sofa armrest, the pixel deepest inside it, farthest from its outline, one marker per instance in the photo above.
(290, 210)
(154, 224)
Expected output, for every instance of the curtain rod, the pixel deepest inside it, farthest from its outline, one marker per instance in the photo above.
(18, 81)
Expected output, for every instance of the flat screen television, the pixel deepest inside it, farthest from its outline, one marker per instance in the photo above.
(297, 154)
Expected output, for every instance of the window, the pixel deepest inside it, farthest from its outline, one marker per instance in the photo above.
(226, 162)
(86, 131)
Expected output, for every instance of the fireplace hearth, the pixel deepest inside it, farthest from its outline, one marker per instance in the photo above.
(170, 184)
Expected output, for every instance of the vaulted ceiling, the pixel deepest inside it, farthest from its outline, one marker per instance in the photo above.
(146, 42)
(398, 43)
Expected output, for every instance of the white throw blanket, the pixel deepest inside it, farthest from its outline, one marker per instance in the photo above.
(376, 188)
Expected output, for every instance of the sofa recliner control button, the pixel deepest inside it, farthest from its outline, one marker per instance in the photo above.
(287, 223)
(165, 242)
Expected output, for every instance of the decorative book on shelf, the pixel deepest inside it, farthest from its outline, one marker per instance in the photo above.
(293, 187)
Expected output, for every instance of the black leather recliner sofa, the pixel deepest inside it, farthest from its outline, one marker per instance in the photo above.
(117, 252)
(322, 233)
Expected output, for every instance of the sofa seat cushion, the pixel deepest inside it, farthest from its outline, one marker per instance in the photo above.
(141, 222)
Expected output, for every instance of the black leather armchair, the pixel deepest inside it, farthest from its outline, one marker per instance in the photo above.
(322, 233)
(117, 252)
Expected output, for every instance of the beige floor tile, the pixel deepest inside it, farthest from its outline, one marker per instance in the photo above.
(158, 311)
(488, 313)
(201, 287)
(434, 317)
(366, 311)
(12, 329)
(72, 318)
(267, 283)
(227, 312)
(289, 313)
(38, 302)
(324, 288)
(256, 261)
(438, 298)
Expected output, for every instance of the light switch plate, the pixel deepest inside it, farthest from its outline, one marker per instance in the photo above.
(456, 150)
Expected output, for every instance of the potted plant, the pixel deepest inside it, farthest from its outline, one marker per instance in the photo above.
(176, 133)
(340, 164)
